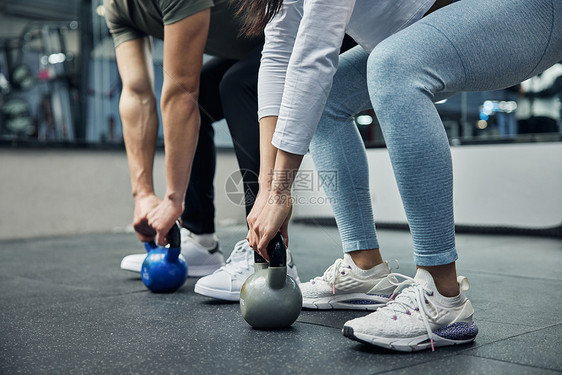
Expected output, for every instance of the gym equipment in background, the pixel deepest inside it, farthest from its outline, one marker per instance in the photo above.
(52, 79)
(15, 110)
(16, 115)
(21, 77)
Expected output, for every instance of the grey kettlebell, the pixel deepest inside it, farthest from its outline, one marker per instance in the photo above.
(271, 299)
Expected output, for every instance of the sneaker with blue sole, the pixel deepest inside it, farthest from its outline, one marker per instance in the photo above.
(419, 318)
(345, 286)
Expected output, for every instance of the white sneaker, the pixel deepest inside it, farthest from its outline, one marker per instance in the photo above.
(227, 281)
(419, 318)
(200, 260)
(346, 286)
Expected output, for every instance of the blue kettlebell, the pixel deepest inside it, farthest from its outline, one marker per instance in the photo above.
(271, 299)
(164, 270)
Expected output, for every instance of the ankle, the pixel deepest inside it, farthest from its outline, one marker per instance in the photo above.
(366, 259)
(445, 279)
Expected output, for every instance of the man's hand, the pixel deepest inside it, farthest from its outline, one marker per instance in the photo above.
(143, 205)
(162, 217)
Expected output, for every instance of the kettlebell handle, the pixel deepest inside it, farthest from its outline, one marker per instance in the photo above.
(277, 251)
(174, 238)
(149, 246)
(258, 259)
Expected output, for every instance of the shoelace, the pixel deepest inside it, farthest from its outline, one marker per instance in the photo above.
(240, 250)
(412, 298)
(335, 270)
(331, 274)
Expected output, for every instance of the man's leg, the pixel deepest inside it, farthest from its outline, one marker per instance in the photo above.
(199, 244)
(199, 213)
(238, 90)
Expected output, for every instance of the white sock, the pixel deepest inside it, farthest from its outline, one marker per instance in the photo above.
(207, 240)
(376, 270)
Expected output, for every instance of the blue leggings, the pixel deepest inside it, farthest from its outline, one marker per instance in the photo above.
(470, 45)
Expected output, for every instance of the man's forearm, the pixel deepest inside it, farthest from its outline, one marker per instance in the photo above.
(140, 130)
(184, 42)
(181, 121)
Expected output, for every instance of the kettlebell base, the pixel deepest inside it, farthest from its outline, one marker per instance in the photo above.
(284, 328)
(270, 299)
(267, 308)
(160, 276)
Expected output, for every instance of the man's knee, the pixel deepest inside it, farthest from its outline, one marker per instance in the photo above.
(234, 86)
(136, 95)
(138, 89)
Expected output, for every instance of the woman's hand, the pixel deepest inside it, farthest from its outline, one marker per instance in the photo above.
(252, 218)
(273, 206)
(162, 217)
(273, 216)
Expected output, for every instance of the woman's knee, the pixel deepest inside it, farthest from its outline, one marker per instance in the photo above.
(393, 76)
(348, 95)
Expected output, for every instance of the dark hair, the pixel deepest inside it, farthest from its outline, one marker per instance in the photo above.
(256, 14)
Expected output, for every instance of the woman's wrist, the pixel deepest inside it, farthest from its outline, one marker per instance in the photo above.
(265, 179)
(265, 183)
(279, 197)
(286, 168)
(282, 184)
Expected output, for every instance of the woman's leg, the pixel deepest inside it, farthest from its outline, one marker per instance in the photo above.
(357, 281)
(337, 147)
(471, 45)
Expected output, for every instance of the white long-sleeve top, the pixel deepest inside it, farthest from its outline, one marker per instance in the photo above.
(301, 51)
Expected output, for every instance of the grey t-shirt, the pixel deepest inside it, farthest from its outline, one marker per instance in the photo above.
(132, 19)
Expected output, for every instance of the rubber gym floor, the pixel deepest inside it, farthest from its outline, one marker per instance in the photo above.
(66, 307)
